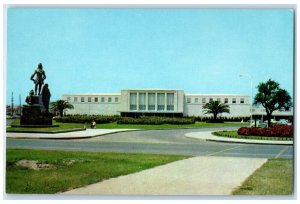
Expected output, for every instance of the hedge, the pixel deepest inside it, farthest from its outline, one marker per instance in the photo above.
(155, 120)
(87, 118)
(275, 131)
(124, 120)
(224, 119)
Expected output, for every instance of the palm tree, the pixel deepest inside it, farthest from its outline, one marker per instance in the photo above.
(215, 108)
(60, 105)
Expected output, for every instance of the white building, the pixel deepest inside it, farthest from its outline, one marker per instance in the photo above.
(159, 102)
(259, 112)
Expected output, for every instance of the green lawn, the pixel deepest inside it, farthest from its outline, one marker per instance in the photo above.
(274, 178)
(73, 169)
(62, 127)
(234, 134)
(68, 126)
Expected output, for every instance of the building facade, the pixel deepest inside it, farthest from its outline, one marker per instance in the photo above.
(157, 102)
(259, 112)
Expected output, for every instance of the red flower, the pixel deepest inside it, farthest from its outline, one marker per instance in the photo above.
(275, 131)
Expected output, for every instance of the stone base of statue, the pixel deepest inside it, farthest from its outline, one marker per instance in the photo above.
(35, 114)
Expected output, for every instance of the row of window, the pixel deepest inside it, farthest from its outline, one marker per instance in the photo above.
(94, 99)
(151, 100)
(160, 101)
(225, 100)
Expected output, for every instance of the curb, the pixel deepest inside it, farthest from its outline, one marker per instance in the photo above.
(48, 132)
(250, 142)
(208, 136)
(34, 126)
(83, 129)
(55, 137)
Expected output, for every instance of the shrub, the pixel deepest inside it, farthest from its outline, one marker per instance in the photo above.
(124, 120)
(87, 118)
(155, 120)
(243, 131)
(215, 121)
(224, 119)
(275, 131)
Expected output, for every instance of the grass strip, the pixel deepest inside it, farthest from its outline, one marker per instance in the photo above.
(71, 170)
(234, 134)
(275, 177)
(61, 127)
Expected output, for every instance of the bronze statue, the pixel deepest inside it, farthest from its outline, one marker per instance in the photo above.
(39, 80)
(46, 96)
(36, 113)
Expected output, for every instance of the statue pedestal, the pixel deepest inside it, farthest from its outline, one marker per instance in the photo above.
(35, 114)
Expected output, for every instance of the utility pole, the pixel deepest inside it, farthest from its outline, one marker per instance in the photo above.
(251, 97)
(12, 104)
(20, 108)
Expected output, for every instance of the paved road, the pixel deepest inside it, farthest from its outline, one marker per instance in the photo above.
(157, 142)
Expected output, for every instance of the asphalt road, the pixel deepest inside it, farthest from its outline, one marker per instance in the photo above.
(157, 142)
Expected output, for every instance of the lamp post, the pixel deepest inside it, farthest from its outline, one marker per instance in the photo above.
(250, 77)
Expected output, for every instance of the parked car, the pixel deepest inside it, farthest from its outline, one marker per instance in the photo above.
(273, 121)
(284, 122)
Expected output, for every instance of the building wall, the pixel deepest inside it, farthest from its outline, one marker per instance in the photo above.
(193, 105)
(258, 111)
(94, 109)
(186, 104)
(106, 107)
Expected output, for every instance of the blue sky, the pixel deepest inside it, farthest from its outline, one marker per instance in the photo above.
(106, 50)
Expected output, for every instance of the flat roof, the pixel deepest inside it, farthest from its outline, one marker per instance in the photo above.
(93, 94)
(216, 95)
(151, 89)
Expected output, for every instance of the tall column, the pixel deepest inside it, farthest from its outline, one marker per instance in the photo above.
(146, 101)
(155, 101)
(165, 108)
(137, 101)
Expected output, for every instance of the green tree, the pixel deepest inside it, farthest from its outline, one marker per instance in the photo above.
(272, 98)
(215, 108)
(59, 106)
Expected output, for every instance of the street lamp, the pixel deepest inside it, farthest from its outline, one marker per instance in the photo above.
(248, 75)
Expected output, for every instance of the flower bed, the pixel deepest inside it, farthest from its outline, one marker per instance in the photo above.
(275, 131)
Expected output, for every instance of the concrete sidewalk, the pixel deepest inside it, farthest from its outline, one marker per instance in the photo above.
(210, 137)
(67, 135)
(203, 175)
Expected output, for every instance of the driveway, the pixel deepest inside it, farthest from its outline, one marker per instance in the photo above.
(157, 142)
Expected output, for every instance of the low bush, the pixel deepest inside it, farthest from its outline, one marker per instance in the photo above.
(275, 131)
(100, 119)
(155, 120)
(87, 118)
(215, 121)
(224, 119)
